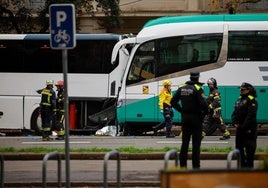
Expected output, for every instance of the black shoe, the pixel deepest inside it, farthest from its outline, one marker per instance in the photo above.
(171, 135)
(225, 138)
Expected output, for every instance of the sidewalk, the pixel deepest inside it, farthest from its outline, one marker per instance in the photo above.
(90, 173)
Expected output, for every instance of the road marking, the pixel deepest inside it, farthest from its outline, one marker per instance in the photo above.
(54, 142)
(203, 142)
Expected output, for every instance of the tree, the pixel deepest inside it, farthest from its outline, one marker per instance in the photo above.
(19, 21)
(232, 5)
(18, 18)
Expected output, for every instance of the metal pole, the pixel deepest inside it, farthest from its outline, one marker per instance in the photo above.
(66, 114)
(167, 157)
(230, 156)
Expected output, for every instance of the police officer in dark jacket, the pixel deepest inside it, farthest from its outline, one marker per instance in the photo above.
(244, 118)
(48, 109)
(193, 108)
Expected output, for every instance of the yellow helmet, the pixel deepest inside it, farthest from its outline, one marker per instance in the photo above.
(166, 83)
(49, 82)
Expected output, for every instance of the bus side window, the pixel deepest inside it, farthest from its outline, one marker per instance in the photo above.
(195, 56)
(212, 55)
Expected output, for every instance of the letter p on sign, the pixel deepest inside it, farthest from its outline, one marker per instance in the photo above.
(61, 17)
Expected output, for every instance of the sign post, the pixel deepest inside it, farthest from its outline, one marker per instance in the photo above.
(62, 30)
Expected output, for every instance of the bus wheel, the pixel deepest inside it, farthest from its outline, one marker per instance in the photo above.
(36, 123)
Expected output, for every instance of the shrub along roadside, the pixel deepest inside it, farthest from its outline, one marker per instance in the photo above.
(122, 149)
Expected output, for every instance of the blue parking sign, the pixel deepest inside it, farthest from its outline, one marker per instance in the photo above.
(62, 26)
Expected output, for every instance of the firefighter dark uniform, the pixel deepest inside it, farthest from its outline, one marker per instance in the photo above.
(59, 127)
(213, 120)
(244, 118)
(48, 109)
(165, 109)
(193, 108)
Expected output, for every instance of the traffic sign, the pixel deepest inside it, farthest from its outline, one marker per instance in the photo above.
(62, 26)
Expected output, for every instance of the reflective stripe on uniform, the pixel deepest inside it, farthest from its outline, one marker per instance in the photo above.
(197, 87)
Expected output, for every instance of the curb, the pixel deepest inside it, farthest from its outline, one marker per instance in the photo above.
(123, 156)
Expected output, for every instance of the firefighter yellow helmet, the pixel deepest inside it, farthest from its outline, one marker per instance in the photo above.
(49, 82)
(166, 83)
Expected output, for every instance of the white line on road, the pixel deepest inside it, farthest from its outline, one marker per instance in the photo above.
(54, 142)
(203, 142)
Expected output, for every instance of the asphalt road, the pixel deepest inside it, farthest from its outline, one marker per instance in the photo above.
(157, 142)
(86, 171)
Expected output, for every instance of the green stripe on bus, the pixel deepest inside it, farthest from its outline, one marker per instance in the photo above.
(206, 18)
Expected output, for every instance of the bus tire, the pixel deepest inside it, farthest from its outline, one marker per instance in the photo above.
(36, 123)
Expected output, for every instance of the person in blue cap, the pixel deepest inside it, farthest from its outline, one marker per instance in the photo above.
(190, 101)
(244, 119)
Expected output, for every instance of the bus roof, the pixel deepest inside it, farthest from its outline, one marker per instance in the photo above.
(105, 36)
(206, 18)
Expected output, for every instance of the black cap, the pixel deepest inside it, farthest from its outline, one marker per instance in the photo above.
(246, 85)
(194, 74)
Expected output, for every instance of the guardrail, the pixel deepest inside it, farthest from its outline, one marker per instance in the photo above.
(230, 156)
(210, 178)
(46, 157)
(2, 171)
(167, 157)
(106, 158)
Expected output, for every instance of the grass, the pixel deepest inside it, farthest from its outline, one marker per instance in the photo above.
(122, 149)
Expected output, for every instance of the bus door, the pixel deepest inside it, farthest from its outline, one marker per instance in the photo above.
(141, 107)
(115, 77)
(141, 88)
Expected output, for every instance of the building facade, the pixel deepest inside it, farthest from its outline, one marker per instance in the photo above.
(135, 13)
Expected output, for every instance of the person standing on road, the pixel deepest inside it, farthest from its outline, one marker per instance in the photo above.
(193, 108)
(165, 109)
(47, 108)
(213, 120)
(60, 111)
(244, 119)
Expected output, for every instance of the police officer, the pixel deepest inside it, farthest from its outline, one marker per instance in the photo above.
(244, 118)
(47, 108)
(60, 111)
(165, 109)
(193, 108)
(213, 120)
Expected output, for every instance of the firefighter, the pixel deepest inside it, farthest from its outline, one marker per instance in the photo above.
(47, 108)
(190, 101)
(244, 119)
(60, 111)
(213, 120)
(165, 109)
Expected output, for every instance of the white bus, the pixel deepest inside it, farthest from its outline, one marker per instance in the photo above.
(231, 48)
(27, 61)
